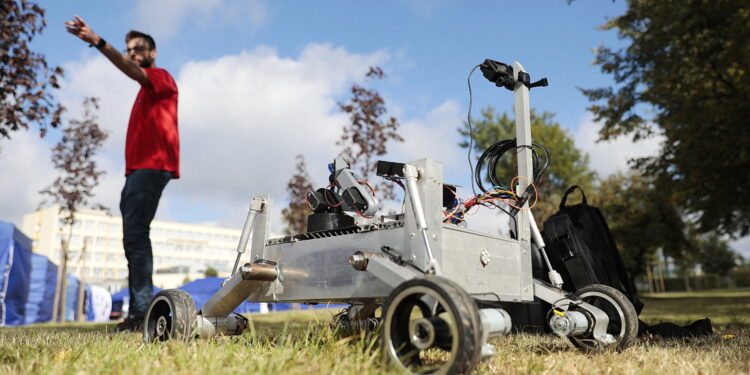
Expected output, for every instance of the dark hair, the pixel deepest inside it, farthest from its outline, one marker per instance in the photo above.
(132, 34)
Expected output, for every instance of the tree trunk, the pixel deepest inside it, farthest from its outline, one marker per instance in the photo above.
(80, 315)
(64, 276)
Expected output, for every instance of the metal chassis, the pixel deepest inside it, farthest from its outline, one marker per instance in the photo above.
(362, 265)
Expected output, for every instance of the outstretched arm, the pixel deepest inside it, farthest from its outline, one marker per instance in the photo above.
(79, 28)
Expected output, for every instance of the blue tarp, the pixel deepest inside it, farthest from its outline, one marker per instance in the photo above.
(283, 306)
(15, 269)
(202, 289)
(41, 290)
(71, 298)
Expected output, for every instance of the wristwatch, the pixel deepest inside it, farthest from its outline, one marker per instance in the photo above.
(99, 45)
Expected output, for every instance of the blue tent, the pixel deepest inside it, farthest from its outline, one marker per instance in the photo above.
(71, 298)
(41, 290)
(202, 289)
(15, 267)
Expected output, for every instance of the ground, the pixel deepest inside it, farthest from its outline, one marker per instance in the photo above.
(301, 343)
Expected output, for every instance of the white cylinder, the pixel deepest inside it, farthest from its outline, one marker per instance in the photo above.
(569, 323)
(495, 322)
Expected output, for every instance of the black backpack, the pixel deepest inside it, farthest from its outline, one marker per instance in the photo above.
(581, 248)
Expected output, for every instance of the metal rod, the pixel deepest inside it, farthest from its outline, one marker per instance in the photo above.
(256, 205)
(260, 272)
(537, 235)
(411, 173)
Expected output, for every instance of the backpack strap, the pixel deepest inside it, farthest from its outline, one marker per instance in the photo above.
(570, 190)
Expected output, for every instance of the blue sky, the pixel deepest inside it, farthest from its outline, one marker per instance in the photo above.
(259, 82)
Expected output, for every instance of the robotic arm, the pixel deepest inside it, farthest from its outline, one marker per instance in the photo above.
(356, 195)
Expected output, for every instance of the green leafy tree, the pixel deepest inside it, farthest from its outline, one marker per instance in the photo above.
(642, 220)
(715, 255)
(25, 77)
(210, 272)
(568, 165)
(684, 73)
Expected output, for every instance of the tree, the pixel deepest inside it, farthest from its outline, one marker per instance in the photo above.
(366, 136)
(363, 139)
(642, 220)
(210, 272)
(568, 165)
(715, 255)
(74, 156)
(684, 73)
(25, 77)
(295, 215)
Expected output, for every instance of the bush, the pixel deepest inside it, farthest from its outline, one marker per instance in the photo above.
(741, 276)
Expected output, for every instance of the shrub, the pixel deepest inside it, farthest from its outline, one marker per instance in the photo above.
(741, 276)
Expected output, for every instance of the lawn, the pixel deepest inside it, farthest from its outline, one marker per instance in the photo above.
(301, 343)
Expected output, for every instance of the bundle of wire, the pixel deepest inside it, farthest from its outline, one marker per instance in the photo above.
(499, 192)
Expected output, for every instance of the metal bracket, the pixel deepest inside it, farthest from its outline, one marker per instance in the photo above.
(557, 297)
(411, 174)
(387, 271)
(256, 206)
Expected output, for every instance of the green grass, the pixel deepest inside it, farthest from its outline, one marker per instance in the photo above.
(302, 343)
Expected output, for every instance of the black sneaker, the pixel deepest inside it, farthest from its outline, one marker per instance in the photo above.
(130, 325)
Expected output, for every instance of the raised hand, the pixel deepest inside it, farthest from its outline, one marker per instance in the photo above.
(79, 28)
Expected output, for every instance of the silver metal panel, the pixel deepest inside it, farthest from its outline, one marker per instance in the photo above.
(430, 188)
(318, 270)
(390, 272)
(261, 229)
(501, 277)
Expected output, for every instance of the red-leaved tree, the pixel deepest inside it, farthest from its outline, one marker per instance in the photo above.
(25, 77)
(74, 156)
(366, 136)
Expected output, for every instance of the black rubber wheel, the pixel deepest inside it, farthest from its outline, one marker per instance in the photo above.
(415, 340)
(623, 320)
(170, 316)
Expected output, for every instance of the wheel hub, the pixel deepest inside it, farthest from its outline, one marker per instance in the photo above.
(421, 333)
(161, 326)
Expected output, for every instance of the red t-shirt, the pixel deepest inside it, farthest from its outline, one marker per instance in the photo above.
(153, 141)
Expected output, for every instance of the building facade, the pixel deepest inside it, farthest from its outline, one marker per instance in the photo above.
(96, 255)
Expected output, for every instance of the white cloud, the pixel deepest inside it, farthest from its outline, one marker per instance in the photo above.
(434, 137)
(742, 246)
(25, 159)
(243, 119)
(25, 169)
(612, 156)
(150, 15)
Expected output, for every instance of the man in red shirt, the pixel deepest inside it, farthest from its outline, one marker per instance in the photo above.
(152, 156)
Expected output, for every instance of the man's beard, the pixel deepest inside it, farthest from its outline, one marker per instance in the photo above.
(147, 63)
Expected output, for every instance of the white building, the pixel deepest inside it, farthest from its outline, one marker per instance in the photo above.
(97, 257)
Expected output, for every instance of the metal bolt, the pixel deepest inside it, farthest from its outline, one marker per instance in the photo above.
(358, 261)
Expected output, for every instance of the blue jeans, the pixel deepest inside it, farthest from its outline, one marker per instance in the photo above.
(138, 203)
